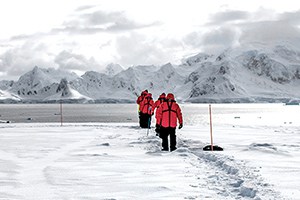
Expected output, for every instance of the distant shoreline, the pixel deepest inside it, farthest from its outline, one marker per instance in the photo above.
(287, 101)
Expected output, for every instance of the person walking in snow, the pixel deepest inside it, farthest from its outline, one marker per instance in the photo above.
(139, 101)
(160, 100)
(167, 115)
(141, 98)
(157, 103)
(146, 111)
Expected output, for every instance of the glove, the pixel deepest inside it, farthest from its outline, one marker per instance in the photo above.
(180, 126)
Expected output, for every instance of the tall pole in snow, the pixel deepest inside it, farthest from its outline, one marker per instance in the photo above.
(61, 114)
(210, 123)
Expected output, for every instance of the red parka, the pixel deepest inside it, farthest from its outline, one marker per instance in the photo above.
(161, 99)
(158, 102)
(147, 105)
(168, 113)
(141, 97)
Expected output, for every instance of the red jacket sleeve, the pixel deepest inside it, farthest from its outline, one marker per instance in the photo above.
(158, 115)
(179, 115)
(152, 106)
(139, 99)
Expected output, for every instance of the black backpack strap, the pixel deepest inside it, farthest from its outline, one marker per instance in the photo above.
(169, 110)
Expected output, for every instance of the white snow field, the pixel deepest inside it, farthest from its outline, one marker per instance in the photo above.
(261, 158)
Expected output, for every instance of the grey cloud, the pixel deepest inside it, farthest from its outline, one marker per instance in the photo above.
(16, 61)
(230, 28)
(290, 17)
(71, 61)
(19, 60)
(269, 32)
(77, 30)
(94, 19)
(193, 39)
(214, 40)
(101, 21)
(135, 49)
(82, 8)
(225, 35)
(90, 23)
(228, 16)
(100, 17)
(106, 44)
(5, 45)
(126, 25)
(21, 37)
(34, 36)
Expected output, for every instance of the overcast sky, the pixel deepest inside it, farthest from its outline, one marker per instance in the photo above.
(83, 35)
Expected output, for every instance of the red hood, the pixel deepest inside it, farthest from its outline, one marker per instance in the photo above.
(170, 96)
(162, 96)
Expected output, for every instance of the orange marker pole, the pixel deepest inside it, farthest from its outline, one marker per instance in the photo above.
(210, 122)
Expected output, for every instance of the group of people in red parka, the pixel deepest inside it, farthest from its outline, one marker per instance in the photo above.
(167, 113)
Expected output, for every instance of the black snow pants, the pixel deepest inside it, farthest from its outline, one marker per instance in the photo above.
(164, 135)
(145, 120)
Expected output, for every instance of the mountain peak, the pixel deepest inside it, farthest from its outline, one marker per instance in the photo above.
(198, 58)
(35, 68)
(63, 88)
(113, 69)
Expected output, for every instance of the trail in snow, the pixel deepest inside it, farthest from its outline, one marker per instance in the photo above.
(118, 161)
(227, 177)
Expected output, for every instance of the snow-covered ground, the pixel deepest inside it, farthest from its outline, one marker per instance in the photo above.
(261, 158)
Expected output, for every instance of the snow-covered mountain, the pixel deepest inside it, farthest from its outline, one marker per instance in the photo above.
(8, 97)
(113, 69)
(243, 74)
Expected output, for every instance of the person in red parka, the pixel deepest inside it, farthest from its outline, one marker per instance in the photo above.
(167, 115)
(160, 100)
(146, 111)
(141, 98)
(157, 103)
(139, 101)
